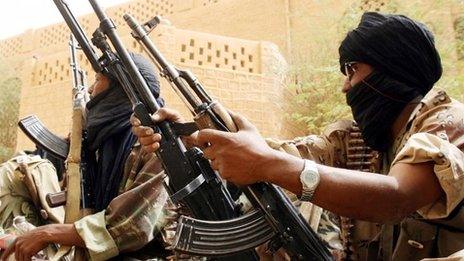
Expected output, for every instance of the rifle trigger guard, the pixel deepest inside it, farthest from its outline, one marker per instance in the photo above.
(188, 189)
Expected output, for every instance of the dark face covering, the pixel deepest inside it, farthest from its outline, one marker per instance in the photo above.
(376, 102)
(109, 137)
(406, 62)
(107, 114)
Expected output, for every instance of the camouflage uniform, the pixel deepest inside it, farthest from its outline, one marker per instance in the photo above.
(133, 218)
(25, 180)
(434, 133)
(121, 229)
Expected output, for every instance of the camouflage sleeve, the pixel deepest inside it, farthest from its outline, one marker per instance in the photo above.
(133, 218)
(98, 242)
(448, 162)
(136, 216)
(24, 182)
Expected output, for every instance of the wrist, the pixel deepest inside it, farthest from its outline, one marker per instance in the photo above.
(48, 233)
(281, 164)
(56, 233)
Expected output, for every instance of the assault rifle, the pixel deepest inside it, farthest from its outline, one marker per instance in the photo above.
(76, 197)
(191, 182)
(77, 191)
(274, 214)
(63, 149)
(36, 130)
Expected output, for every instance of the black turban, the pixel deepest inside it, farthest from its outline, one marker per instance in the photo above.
(111, 109)
(149, 74)
(396, 46)
(109, 137)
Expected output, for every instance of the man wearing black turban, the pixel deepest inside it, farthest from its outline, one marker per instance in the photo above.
(109, 137)
(115, 165)
(405, 66)
(391, 65)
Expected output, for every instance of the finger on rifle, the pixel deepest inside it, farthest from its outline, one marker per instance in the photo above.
(189, 140)
(241, 122)
(168, 115)
(135, 121)
(210, 136)
(150, 139)
(209, 152)
(142, 131)
(151, 148)
(214, 164)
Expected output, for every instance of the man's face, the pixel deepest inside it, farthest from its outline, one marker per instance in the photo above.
(357, 73)
(101, 83)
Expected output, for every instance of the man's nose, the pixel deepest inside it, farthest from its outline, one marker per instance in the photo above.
(346, 85)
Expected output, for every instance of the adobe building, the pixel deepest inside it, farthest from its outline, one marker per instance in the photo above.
(241, 50)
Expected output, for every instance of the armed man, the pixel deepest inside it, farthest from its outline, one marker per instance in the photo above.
(118, 167)
(391, 64)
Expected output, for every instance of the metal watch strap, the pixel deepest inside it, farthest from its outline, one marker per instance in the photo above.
(309, 178)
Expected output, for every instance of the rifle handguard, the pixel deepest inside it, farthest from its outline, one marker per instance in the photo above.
(204, 121)
(222, 113)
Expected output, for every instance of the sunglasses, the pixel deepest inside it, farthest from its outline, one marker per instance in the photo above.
(349, 69)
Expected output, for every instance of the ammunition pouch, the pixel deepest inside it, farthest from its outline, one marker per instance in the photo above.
(421, 238)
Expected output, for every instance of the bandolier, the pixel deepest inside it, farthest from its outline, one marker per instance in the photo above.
(340, 145)
(353, 153)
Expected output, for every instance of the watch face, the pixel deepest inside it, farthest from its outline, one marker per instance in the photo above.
(310, 179)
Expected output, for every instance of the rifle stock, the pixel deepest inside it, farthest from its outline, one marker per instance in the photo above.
(75, 179)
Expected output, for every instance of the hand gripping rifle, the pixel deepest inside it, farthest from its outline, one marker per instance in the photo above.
(274, 214)
(191, 182)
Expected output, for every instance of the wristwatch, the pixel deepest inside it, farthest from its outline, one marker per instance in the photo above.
(309, 178)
